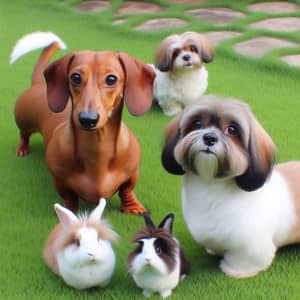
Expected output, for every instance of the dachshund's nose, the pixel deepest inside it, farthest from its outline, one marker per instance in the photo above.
(186, 57)
(210, 138)
(88, 119)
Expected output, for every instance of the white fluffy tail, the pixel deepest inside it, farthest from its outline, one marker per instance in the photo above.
(33, 41)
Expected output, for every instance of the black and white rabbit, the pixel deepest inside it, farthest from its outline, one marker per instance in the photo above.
(158, 263)
(79, 248)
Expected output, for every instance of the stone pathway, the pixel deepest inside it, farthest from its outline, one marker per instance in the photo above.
(219, 18)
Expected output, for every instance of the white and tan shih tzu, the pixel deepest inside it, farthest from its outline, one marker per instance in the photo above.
(181, 77)
(235, 202)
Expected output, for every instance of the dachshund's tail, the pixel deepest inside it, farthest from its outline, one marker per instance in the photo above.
(48, 40)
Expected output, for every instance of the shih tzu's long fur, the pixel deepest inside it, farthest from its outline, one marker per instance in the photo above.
(235, 202)
(181, 77)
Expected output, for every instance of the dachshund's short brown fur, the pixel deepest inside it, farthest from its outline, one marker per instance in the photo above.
(78, 110)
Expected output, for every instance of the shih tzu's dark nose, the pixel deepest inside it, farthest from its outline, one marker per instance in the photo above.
(186, 57)
(210, 138)
(88, 119)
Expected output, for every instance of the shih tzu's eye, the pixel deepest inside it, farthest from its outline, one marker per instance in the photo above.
(75, 79)
(196, 124)
(232, 130)
(176, 53)
(194, 49)
(77, 242)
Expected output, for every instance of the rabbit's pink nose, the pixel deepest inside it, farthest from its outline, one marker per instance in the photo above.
(148, 260)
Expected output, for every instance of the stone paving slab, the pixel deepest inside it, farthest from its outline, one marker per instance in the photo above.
(135, 7)
(216, 16)
(159, 24)
(276, 7)
(259, 46)
(92, 6)
(292, 60)
(278, 24)
(216, 37)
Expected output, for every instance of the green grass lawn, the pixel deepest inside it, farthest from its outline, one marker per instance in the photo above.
(27, 195)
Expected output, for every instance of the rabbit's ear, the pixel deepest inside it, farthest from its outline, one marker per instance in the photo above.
(65, 216)
(167, 223)
(148, 221)
(96, 214)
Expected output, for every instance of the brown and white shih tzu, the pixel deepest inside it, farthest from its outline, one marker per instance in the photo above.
(235, 202)
(181, 77)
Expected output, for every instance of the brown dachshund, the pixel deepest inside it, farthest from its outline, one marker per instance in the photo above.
(78, 110)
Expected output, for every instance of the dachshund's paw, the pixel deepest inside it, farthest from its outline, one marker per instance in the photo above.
(130, 203)
(22, 151)
(23, 148)
(134, 209)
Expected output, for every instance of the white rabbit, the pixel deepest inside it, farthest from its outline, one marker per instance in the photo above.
(79, 249)
(158, 263)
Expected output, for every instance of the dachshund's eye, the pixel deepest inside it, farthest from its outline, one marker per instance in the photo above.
(75, 79)
(111, 79)
(232, 130)
(176, 53)
(194, 49)
(196, 124)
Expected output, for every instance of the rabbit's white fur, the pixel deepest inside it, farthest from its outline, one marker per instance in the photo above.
(151, 273)
(87, 260)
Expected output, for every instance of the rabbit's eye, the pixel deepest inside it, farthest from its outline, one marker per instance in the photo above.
(77, 242)
(158, 250)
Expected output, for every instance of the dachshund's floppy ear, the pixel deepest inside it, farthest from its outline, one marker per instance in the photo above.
(172, 137)
(138, 90)
(261, 151)
(56, 76)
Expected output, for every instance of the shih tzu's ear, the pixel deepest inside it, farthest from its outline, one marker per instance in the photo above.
(172, 137)
(164, 53)
(261, 150)
(207, 50)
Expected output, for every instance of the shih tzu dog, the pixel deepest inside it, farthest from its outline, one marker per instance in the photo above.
(235, 203)
(181, 77)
